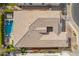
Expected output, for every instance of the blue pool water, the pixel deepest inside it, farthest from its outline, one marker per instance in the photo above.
(8, 27)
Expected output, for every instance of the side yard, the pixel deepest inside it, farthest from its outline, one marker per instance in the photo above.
(1, 30)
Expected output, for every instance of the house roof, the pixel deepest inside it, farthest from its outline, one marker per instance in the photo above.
(23, 19)
(25, 36)
(36, 40)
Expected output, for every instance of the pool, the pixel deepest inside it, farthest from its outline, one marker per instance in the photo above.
(8, 27)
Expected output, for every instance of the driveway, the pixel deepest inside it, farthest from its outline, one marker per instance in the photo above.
(75, 12)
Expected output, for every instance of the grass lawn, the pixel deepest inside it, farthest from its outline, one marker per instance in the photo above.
(0, 31)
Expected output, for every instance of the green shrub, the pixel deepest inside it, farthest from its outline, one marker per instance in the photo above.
(23, 50)
(8, 10)
(10, 48)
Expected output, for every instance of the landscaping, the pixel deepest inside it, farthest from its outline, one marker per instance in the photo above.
(12, 4)
(0, 30)
(10, 48)
(8, 10)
